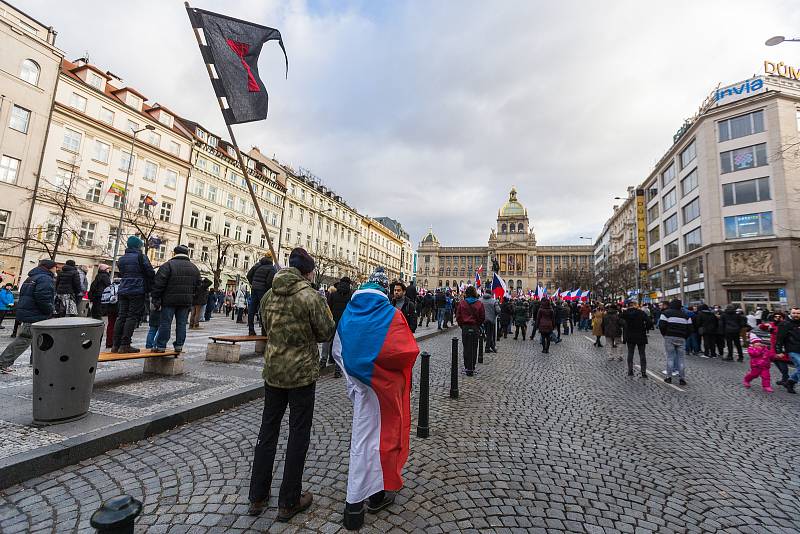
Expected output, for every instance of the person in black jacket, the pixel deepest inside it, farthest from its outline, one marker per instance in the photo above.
(68, 290)
(173, 293)
(200, 298)
(36, 297)
(439, 302)
(397, 290)
(707, 328)
(675, 326)
(260, 277)
(100, 282)
(338, 298)
(732, 324)
(788, 341)
(635, 324)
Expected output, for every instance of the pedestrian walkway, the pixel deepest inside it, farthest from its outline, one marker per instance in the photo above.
(563, 442)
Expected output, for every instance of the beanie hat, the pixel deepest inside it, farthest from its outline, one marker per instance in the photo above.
(134, 242)
(301, 260)
(379, 277)
(70, 262)
(755, 339)
(181, 249)
(47, 264)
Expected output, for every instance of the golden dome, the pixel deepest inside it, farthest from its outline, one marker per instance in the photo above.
(512, 208)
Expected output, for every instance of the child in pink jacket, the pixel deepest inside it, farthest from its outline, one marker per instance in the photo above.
(760, 362)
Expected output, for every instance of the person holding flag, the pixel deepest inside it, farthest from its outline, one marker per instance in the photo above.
(376, 350)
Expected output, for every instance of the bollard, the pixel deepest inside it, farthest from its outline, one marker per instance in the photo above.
(481, 339)
(454, 371)
(116, 515)
(423, 430)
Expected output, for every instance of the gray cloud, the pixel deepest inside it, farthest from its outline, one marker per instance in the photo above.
(429, 111)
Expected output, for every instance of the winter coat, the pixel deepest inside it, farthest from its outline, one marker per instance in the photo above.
(674, 322)
(428, 301)
(773, 328)
(707, 322)
(470, 312)
(409, 311)
(520, 313)
(295, 319)
(337, 300)
(585, 311)
(635, 324)
(760, 356)
(545, 318)
(597, 322)
(241, 297)
(788, 336)
(68, 282)
(732, 323)
(491, 309)
(36, 296)
(411, 293)
(84, 281)
(175, 282)
(6, 299)
(611, 325)
(261, 274)
(439, 300)
(135, 272)
(100, 282)
(201, 292)
(506, 312)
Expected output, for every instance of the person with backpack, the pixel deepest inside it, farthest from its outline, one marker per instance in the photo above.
(96, 290)
(470, 316)
(136, 278)
(68, 290)
(109, 301)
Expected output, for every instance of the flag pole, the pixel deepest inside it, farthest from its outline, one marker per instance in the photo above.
(239, 156)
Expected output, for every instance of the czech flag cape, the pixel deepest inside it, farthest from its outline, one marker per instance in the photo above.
(376, 350)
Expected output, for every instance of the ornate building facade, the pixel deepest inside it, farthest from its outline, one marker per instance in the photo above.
(511, 250)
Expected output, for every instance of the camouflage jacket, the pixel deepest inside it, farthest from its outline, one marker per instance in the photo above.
(295, 319)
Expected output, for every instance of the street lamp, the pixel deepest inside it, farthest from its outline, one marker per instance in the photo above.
(778, 39)
(125, 198)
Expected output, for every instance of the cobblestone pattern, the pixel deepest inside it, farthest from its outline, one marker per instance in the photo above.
(563, 442)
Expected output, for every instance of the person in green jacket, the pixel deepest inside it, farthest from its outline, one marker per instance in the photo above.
(520, 318)
(295, 318)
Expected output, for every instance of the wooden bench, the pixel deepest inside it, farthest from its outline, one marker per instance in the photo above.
(161, 363)
(227, 348)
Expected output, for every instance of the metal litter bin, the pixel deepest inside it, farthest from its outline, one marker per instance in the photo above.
(65, 352)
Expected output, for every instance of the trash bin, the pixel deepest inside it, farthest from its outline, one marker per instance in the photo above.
(65, 352)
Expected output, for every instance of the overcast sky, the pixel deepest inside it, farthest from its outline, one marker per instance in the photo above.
(428, 112)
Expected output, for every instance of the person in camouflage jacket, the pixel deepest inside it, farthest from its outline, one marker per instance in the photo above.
(296, 318)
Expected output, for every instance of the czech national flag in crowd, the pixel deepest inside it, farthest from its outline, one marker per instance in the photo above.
(477, 280)
(376, 350)
(499, 287)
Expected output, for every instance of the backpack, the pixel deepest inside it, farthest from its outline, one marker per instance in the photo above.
(109, 295)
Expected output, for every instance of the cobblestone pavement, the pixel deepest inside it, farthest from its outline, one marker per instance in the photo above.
(563, 442)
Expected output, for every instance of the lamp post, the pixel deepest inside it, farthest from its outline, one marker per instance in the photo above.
(778, 39)
(125, 198)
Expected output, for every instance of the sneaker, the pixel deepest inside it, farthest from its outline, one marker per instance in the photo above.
(682, 382)
(127, 349)
(668, 380)
(285, 514)
(257, 507)
(381, 500)
(158, 350)
(178, 349)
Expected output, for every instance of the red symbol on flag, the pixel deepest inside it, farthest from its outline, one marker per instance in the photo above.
(240, 49)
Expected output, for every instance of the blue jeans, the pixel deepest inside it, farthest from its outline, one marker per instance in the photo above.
(181, 315)
(795, 356)
(439, 317)
(693, 343)
(674, 347)
(151, 337)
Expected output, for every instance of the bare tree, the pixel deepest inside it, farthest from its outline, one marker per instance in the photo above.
(573, 278)
(324, 268)
(144, 222)
(217, 258)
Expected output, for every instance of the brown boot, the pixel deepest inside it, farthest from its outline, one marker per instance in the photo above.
(127, 349)
(285, 514)
(115, 349)
(256, 507)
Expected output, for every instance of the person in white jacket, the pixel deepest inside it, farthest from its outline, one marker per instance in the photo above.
(241, 303)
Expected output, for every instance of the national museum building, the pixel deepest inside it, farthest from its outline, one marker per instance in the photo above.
(512, 244)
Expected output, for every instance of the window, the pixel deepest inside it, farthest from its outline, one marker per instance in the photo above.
(161, 252)
(194, 219)
(199, 188)
(150, 171)
(174, 148)
(126, 161)
(212, 193)
(207, 223)
(654, 235)
(691, 211)
(165, 119)
(201, 163)
(94, 79)
(745, 192)
(117, 202)
(190, 246)
(78, 102)
(652, 213)
(226, 229)
(132, 100)
(235, 260)
(212, 140)
(9, 167)
(133, 126)
(655, 258)
(688, 155)
(94, 191)
(689, 183)
(29, 71)
(670, 199)
(20, 118)
(215, 168)
(154, 138)
(750, 225)
(743, 158)
(166, 211)
(86, 236)
(692, 240)
(72, 140)
(248, 238)
(670, 224)
(741, 126)
(102, 151)
(288, 235)
(230, 200)
(171, 179)
(238, 234)
(242, 205)
(671, 250)
(671, 278)
(263, 241)
(668, 175)
(204, 253)
(106, 115)
(145, 205)
(4, 217)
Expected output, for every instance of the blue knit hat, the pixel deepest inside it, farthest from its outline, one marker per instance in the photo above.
(134, 242)
(379, 277)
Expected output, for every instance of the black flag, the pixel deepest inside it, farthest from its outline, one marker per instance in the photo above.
(232, 47)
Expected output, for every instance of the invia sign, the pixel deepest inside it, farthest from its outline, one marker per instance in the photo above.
(738, 91)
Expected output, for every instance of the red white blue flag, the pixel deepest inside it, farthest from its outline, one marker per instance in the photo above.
(376, 350)
(499, 287)
(477, 279)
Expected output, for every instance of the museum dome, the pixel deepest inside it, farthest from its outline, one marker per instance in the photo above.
(512, 208)
(429, 237)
